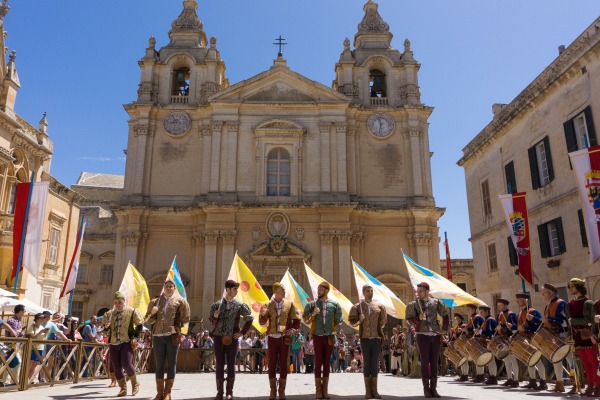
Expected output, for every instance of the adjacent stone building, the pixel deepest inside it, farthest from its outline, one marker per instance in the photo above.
(525, 148)
(278, 168)
(24, 149)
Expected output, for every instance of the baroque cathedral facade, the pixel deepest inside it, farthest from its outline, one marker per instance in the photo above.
(278, 168)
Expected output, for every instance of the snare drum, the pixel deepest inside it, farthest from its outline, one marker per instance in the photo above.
(453, 355)
(521, 347)
(478, 352)
(461, 346)
(551, 345)
(499, 347)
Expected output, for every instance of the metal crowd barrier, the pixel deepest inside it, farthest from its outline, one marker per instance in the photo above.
(59, 362)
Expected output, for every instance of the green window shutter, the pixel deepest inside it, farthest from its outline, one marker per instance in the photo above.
(511, 181)
(570, 136)
(543, 236)
(512, 253)
(546, 141)
(561, 236)
(584, 240)
(590, 126)
(533, 166)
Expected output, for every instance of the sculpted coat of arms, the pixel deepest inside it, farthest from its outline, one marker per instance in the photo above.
(177, 123)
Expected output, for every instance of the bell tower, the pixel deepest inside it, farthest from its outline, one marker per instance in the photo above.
(374, 73)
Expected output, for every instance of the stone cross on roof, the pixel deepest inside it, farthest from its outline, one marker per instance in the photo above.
(280, 45)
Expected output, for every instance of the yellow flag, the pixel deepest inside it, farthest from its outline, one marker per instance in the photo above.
(250, 291)
(314, 280)
(135, 289)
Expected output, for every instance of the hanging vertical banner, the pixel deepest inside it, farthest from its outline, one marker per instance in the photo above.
(586, 166)
(515, 211)
(74, 267)
(32, 250)
(448, 264)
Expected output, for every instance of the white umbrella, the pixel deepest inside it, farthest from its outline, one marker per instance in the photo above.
(6, 293)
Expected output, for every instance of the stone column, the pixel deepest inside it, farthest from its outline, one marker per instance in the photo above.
(326, 255)
(216, 156)
(351, 160)
(206, 132)
(232, 128)
(195, 277)
(141, 132)
(342, 169)
(422, 243)
(415, 151)
(130, 242)
(210, 268)
(227, 255)
(345, 270)
(324, 129)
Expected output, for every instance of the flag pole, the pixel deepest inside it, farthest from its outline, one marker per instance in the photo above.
(77, 255)
(510, 191)
(24, 233)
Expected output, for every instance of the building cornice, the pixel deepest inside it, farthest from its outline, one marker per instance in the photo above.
(588, 40)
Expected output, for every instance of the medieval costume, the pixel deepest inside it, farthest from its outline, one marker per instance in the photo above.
(322, 328)
(279, 318)
(474, 327)
(505, 318)
(123, 328)
(171, 315)
(487, 332)
(556, 315)
(225, 326)
(528, 322)
(428, 332)
(455, 333)
(370, 330)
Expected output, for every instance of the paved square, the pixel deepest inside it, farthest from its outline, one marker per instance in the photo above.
(300, 386)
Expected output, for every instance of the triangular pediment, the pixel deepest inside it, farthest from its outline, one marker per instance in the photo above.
(279, 84)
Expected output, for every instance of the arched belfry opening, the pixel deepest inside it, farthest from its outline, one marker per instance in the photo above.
(181, 82)
(377, 83)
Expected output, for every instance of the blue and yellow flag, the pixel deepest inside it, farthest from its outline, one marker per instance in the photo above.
(440, 287)
(175, 276)
(294, 292)
(393, 305)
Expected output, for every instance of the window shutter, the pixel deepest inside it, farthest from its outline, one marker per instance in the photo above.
(561, 236)
(590, 126)
(546, 141)
(570, 136)
(584, 240)
(512, 253)
(511, 181)
(543, 235)
(535, 175)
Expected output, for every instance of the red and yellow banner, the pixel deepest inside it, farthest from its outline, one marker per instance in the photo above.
(515, 211)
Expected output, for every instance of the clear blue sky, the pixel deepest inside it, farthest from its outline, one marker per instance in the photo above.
(78, 62)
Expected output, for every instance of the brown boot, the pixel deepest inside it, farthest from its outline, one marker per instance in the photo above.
(374, 392)
(433, 387)
(113, 380)
(220, 391)
(597, 391)
(273, 384)
(559, 387)
(135, 384)
(319, 388)
(531, 385)
(228, 389)
(542, 385)
(426, 390)
(574, 390)
(589, 392)
(160, 389)
(368, 388)
(491, 380)
(281, 389)
(325, 388)
(123, 385)
(168, 387)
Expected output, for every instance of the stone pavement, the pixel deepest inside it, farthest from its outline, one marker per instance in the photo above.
(300, 386)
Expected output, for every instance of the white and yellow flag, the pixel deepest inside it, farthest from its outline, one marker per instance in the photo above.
(314, 280)
(393, 305)
(250, 291)
(135, 289)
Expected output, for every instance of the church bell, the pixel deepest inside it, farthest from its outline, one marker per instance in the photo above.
(181, 79)
(378, 87)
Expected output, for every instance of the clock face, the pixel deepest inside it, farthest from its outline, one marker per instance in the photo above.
(381, 125)
(177, 123)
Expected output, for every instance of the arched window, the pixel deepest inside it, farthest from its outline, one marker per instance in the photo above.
(278, 172)
(378, 84)
(181, 82)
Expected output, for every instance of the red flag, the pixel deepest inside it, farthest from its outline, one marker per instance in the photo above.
(448, 265)
(515, 211)
(19, 224)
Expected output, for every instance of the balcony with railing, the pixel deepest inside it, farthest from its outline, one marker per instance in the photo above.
(379, 101)
(179, 99)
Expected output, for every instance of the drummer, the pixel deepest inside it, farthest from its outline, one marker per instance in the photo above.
(459, 329)
(486, 334)
(555, 319)
(474, 327)
(507, 326)
(528, 322)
